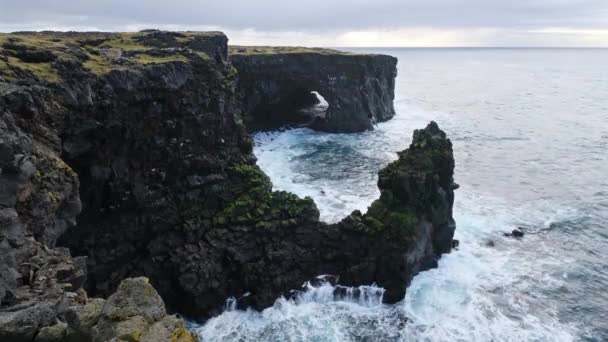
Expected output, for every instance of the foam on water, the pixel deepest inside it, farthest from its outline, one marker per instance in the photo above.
(515, 168)
(316, 314)
(478, 293)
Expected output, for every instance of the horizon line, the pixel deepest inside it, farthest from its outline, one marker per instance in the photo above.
(429, 47)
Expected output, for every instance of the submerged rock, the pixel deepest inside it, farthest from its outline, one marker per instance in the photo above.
(516, 233)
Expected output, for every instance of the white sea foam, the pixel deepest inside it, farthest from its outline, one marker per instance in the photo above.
(516, 167)
(478, 293)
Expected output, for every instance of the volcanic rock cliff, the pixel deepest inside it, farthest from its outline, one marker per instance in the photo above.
(275, 85)
(130, 152)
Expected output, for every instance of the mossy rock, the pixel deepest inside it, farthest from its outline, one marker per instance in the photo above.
(170, 329)
(37, 54)
(131, 330)
(54, 333)
(134, 297)
(81, 319)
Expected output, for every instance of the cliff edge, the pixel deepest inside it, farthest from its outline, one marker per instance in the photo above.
(128, 150)
(276, 86)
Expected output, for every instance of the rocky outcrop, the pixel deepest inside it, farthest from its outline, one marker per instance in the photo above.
(275, 86)
(115, 120)
(129, 149)
(135, 312)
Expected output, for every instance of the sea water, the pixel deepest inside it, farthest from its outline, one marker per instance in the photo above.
(530, 135)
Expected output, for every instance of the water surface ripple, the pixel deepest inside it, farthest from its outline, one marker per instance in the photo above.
(530, 134)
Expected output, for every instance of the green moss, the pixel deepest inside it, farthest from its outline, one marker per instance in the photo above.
(373, 223)
(53, 197)
(249, 176)
(90, 46)
(124, 41)
(33, 41)
(265, 210)
(387, 215)
(61, 165)
(255, 205)
(100, 65)
(269, 50)
(44, 71)
(40, 40)
(148, 59)
(181, 334)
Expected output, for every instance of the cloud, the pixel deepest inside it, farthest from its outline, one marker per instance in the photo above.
(332, 22)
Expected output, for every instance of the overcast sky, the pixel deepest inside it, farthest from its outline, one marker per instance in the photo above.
(332, 22)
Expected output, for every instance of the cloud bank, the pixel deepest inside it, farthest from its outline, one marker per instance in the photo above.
(333, 22)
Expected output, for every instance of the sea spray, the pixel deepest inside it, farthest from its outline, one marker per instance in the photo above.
(519, 163)
(309, 314)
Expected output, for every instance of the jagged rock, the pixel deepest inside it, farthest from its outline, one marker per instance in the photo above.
(275, 84)
(149, 152)
(134, 313)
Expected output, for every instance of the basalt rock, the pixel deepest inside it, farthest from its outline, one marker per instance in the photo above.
(264, 244)
(275, 86)
(516, 233)
(130, 150)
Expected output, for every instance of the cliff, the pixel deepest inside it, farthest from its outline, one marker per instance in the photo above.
(129, 151)
(275, 86)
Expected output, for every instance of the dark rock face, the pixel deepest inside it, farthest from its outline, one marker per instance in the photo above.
(267, 243)
(129, 149)
(118, 128)
(275, 85)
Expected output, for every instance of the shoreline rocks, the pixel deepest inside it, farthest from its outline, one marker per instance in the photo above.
(129, 151)
(135, 312)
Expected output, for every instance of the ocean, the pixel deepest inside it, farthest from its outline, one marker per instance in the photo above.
(530, 135)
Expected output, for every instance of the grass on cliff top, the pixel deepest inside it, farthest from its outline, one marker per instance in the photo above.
(43, 71)
(269, 50)
(10, 64)
(147, 59)
(96, 47)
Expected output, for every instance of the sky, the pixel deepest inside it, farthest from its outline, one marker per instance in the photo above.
(333, 23)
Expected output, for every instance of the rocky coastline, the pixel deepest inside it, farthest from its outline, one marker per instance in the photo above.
(125, 155)
(275, 86)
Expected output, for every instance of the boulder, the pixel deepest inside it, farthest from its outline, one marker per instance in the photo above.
(134, 297)
(134, 313)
